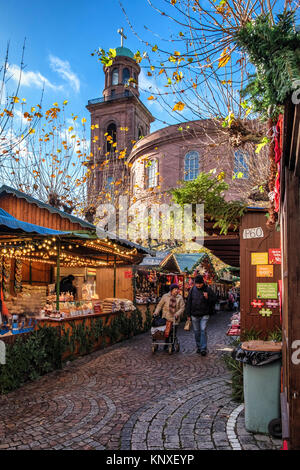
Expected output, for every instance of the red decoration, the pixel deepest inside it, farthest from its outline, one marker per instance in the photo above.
(257, 303)
(274, 256)
(128, 274)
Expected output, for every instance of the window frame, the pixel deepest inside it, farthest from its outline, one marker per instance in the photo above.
(190, 170)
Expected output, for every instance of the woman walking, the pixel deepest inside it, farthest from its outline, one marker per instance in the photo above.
(172, 306)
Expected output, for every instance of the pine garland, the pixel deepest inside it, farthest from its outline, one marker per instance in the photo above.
(274, 51)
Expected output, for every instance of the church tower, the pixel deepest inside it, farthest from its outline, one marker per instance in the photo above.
(118, 120)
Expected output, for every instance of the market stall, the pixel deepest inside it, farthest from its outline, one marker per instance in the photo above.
(58, 253)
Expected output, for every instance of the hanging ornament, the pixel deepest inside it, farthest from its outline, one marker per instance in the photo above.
(265, 312)
(18, 275)
(6, 277)
(257, 303)
(272, 303)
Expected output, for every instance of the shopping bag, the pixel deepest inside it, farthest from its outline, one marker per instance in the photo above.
(168, 328)
(187, 325)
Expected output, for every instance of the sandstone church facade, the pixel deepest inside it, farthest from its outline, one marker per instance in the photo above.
(126, 158)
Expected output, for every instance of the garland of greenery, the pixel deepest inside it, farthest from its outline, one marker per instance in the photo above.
(274, 51)
(35, 354)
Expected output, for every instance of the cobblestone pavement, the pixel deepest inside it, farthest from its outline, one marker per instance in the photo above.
(125, 397)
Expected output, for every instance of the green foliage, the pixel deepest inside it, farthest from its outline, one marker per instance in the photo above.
(275, 52)
(40, 352)
(236, 369)
(209, 190)
(30, 357)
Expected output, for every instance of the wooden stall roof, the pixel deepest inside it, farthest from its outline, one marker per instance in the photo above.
(226, 247)
(28, 209)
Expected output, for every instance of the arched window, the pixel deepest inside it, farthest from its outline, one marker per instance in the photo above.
(191, 165)
(115, 76)
(126, 76)
(151, 168)
(135, 83)
(111, 137)
(140, 132)
(241, 168)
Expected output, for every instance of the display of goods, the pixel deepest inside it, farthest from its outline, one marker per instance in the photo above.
(111, 305)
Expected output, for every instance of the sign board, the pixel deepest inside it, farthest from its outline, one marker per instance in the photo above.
(264, 270)
(259, 258)
(91, 272)
(128, 274)
(256, 232)
(266, 290)
(275, 256)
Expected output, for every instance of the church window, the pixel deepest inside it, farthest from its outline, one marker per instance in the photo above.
(126, 76)
(115, 77)
(140, 133)
(191, 165)
(151, 168)
(111, 137)
(241, 168)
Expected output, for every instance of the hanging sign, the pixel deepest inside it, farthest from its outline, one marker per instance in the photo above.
(256, 232)
(264, 270)
(91, 272)
(128, 274)
(266, 290)
(272, 303)
(257, 303)
(259, 258)
(275, 256)
(265, 312)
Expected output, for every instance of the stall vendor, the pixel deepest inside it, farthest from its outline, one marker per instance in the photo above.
(66, 285)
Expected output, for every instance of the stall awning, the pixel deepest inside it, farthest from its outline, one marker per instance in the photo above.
(9, 224)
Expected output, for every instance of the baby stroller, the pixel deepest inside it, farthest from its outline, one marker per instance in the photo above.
(158, 328)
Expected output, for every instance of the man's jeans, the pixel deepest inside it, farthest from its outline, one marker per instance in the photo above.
(199, 327)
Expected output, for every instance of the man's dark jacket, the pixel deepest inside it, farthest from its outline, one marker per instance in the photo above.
(197, 305)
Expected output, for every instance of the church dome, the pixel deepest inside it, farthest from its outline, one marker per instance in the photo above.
(124, 51)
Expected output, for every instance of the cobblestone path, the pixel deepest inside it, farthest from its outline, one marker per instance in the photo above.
(125, 397)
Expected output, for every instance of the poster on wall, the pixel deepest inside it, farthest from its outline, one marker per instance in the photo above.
(264, 270)
(259, 258)
(266, 290)
(275, 256)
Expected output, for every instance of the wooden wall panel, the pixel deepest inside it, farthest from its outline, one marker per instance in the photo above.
(250, 318)
(105, 283)
(23, 210)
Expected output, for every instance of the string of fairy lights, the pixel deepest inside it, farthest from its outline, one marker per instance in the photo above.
(49, 249)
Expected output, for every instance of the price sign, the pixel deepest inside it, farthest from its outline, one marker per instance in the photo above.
(266, 290)
(128, 274)
(264, 270)
(275, 256)
(256, 232)
(259, 258)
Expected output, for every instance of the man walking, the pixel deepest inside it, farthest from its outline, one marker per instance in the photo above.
(200, 305)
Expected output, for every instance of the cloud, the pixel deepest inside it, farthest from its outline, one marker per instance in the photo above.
(30, 78)
(63, 68)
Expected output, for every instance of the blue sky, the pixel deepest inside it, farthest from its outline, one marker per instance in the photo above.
(60, 36)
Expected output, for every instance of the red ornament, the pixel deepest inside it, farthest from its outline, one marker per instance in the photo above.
(257, 303)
